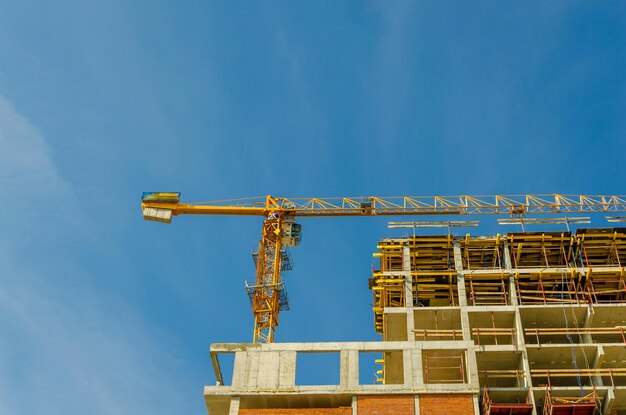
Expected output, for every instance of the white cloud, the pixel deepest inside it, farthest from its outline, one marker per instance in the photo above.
(24, 156)
(65, 347)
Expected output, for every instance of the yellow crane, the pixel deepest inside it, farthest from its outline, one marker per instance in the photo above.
(280, 229)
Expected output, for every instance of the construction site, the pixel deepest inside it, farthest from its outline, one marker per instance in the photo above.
(515, 323)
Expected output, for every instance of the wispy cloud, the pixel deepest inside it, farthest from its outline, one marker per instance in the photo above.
(65, 347)
(27, 174)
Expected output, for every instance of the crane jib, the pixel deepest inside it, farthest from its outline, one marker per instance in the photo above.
(268, 296)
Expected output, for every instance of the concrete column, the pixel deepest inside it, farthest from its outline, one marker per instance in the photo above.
(521, 343)
(528, 378)
(241, 371)
(408, 292)
(588, 322)
(268, 370)
(513, 300)
(465, 325)
(417, 404)
(608, 402)
(476, 399)
(354, 405)
(408, 280)
(460, 282)
(287, 369)
(472, 369)
(407, 362)
(234, 406)
(349, 377)
(506, 255)
(410, 325)
(417, 369)
(458, 255)
(506, 258)
(597, 363)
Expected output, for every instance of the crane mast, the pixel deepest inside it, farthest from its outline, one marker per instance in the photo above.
(267, 295)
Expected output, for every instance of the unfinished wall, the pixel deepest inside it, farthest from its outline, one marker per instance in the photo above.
(506, 314)
(386, 405)
(446, 405)
(298, 411)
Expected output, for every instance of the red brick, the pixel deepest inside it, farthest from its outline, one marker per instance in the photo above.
(446, 405)
(344, 410)
(386, 405)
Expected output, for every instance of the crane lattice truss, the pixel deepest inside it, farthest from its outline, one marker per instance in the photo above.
(268, 290)
(268, 286)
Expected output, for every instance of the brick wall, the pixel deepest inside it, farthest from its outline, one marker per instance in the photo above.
(386, 405)
(446, 405)
(345, 410)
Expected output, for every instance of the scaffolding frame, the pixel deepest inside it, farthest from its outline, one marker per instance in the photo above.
(540, 249)
(495, 332)
(438, 288)
(512, 277)
(606, 287)
(552, 287)
(593, 286)
(509, 408)
(482, 252)
(487, 289)
(449, 368)
(437, 333)
(590, 373)
(518, 374)
(566, 405)
(601, 247)
(552, 332)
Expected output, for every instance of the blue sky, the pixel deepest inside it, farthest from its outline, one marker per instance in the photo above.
(103, 313)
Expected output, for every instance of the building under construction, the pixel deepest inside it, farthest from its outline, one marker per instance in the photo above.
(523, 323)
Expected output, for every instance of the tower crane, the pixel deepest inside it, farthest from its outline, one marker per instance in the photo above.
(280, 228)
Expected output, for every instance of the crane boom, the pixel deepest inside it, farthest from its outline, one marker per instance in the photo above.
(279, 228)
(391, 206)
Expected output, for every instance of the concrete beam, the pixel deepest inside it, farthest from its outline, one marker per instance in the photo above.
(319, 390)
(322, 347)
